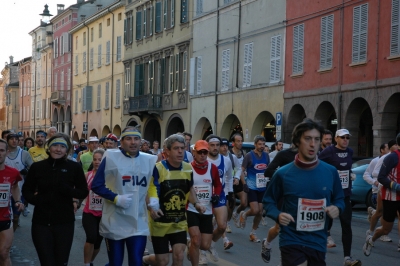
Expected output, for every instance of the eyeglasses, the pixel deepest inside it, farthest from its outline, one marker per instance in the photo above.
(344, 137)
(205, 152)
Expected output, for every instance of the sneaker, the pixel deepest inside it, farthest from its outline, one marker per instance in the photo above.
(367, 246)
(228, 229)
(254, 238)
(368, 233)
(228, 244)
(203, 258)
(330, 243)
(235, 218)
(242, 220)
(213, 254)
(349, 261)
(265, 252)
(264, 221)
(170, 248)
(370, 213)
(26, 212)
(385, 238)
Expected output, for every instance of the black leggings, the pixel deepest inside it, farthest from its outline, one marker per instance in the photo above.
(53, 243)
(91, 226)
(345, 222)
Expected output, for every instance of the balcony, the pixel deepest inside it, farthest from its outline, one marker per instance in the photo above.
(149, 103)
(58, 97)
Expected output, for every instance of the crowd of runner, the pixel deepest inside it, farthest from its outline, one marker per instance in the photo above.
(182, 197)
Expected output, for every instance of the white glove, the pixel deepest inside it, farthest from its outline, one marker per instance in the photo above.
(353, 176)
(154, 204)
(124, 201)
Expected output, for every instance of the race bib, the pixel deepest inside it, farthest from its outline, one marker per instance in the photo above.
(311, 215)
(4, 195)
(261, 180)
(203, 193)
(95, 202)
(344, 178)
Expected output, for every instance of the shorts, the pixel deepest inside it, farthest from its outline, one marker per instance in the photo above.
(255, 195)
(222, 200)
(238, 188)
(160, 243)
(91, 225)
(202, 221)
(297, 254)
(5, 225)
(390, 209)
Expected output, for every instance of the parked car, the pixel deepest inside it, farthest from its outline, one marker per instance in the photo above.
(248, 146)
(361, 190)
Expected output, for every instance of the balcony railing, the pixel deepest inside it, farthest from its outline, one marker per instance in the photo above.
(151, 103)
(58, 97)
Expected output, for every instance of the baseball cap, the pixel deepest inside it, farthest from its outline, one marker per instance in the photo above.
(342, 132)
(390, 143)
(112, 137)
(200, 145)
(224, 141)
(93, 139)
(12, 135)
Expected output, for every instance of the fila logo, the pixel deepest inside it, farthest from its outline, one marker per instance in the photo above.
(135, 180)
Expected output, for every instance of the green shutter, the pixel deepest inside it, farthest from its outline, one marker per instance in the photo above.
(137, 80)
(158, 17)
(141, 79)
(162, 75)
(125, 25)
(138, 25)
(184, 11)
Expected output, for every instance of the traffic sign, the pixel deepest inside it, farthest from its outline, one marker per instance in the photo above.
(278, 120)
(85, 128)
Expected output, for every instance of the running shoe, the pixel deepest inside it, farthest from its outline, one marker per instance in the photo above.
(213, 254)
(385, 238)
(228, 244)
(25, 212)
(253, 238)
(170, 248)
(235, 218)
(265, 252)
(228, 229)
(370, 213)
(349, 261)
(368, 233)
(330, 243)
(242, 220)
(264, 221)
(203, 258)
(367, 246)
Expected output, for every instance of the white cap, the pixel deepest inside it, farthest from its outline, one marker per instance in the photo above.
(342, 132)
(94, 139)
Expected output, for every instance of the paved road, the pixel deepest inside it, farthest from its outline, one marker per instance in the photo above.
(243, 252)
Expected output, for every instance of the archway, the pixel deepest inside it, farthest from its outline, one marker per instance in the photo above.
(359, 122)
(105, 131)
(231, 126)
(390, 125)
(152, 131)
(296, 115)
(174, 125)
(61, 120)
(117, 130)
(264, 124)
(55, 118)
(132, 123)
(93, 133)
(202, 130)
(76, 137)
(326, 115)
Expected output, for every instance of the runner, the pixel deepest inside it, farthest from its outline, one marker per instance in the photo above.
(326, 140)
(123, 180)
(254, 163)
(307, 198)
(156, 148)
(91, 215)
(278, 148)
(111, 142)
(206, 183)
(169, 193)
(87, 157)
(51, 131)
(38, 153)
(389, 177)
(340, 156)
(282, 158)
(9, 178)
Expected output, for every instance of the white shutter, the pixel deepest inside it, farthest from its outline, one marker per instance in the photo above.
(395, 28)
(247, 65)
(298, 49)
(192, 75)
(118, 93)
(91, 58)
(98, 97)
(84, 62)
(199, 74)
(360, 27)
(107, 104)
(99, 56)
(118, 48)
(225, 69)
(76, 64)
(326, 47)
(275, 64)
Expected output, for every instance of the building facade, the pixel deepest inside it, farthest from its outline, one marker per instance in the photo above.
(344, 76)
(25, 97)
(11, 92)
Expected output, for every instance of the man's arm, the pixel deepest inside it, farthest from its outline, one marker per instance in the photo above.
(272, 195)
(388, 164)
(215, 180)
(238, 167)
(15, 191)
(229, 174)
(99, 183)
(367, 176)
(325, 155)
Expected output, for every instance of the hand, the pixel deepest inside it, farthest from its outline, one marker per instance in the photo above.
(155, 214)
(246, 188)
(353, 176)
(376, 183)
(75, 206)
(332, 211)
(285, 218)
(236, 181)
(20, 206)
(214, 199)
(200, 208)
(124, 201)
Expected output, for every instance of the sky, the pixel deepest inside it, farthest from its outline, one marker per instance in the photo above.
(18, 18)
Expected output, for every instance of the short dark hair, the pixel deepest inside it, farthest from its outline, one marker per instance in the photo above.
(82, 140)
(328, 132)
(187, 134)
(211, 136)
(382, 147)
(258, 138)
(277, 141)
(235, 135)
(304, 126)
(31, 139)
(5, 132)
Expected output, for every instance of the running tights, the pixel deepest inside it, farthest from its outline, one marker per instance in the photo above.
(135, 246)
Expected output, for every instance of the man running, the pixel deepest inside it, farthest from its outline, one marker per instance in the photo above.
(340, 156)
(38, 153)
(307, 198)
(123, 180)
(87, 157)
(254, 163)
(171, 188)
(326, 140)
(389, 177)
(9, 178)
(111, 142)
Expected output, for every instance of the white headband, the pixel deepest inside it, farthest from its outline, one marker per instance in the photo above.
(213, 140)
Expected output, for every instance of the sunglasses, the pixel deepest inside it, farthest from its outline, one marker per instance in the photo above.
(205, 152)
(344, 137)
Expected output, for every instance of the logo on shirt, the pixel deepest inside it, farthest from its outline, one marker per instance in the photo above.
(135, 180)
(220, 172)
(6, 180)
(206, 180)
(342, 154)
(260, 166)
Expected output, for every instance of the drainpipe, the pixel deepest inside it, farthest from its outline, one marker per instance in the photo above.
(112, 70)
(238, 45)
(87, 73)
(34, 97)
(340, 77)
(216, 73)
(377, 58)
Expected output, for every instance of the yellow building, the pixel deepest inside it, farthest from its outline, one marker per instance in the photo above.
(97, 72)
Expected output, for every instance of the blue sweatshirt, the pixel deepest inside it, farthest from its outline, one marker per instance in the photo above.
(291, 182)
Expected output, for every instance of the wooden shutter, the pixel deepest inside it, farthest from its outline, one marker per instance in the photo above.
(158, 16)
(298, 49)
(125, 36)
(225, 69)
(326, 46)
(199, 74)
(184, 11)
(275, 64)
(138, 25)
(360, 27)
(395, 28)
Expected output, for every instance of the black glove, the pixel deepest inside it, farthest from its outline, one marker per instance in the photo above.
(231, 200)
(23, 172)
(215, 199)
(246, 188)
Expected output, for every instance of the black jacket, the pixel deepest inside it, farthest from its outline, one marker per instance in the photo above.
(56, 182)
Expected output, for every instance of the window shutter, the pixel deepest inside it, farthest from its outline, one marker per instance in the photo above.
(138, 25)
(99, 56)
(225, 69)
(360, 26)
(99, 97)
(172, 13)
(184, 11)
(151, 76)
(144, 28)
(395, 28)
(107, 100)
(177, 72)
(131, 30)
(118, 48)
(118, 93)
(199, 74)
(89, 98)
(76, 101)
(125, 26)
(158, 16)
(91, 58)
(247, 66)
(326, 48)
(165, 13)
(84, 62)
(84, 99)
(151, 21)
(141, 79)
(163, 75)
(108, 48)
(275, 58)
(171, 73)
(76, 64)
(298, 49)
(137, 80)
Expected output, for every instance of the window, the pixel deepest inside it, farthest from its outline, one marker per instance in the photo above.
(76, 101)
(84, 62)
(100, 30)
(275, 66)
(118, 93)
(199, 7)
(83, 99)
(119, 16)
(184, 11)
(139, 80)
(76, 44)
(150, 75)
(107, 102)
(326, 49)
(128, 29)
(158, 17)
(55, 44)
(395, 29)
(298, 49)
(33, 109)
(360, 27)
(184, 70)
(62, 79)
(91, 58)
(108, 52)
(91, 34)
(62, 45)
(119, 48)
(247, 64)
(21, 117)
(84, 39)
(108, 22)
(198, 74)
(69, 79)
(169, 13)
(98, 97)
(127, 82)
(56, 81)
(43, 110)
(177, 83)
(76, 64)
(171, 73)
(226, 54)
(27, 113)
(99, 56)
(138, 25)
(38, 109)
